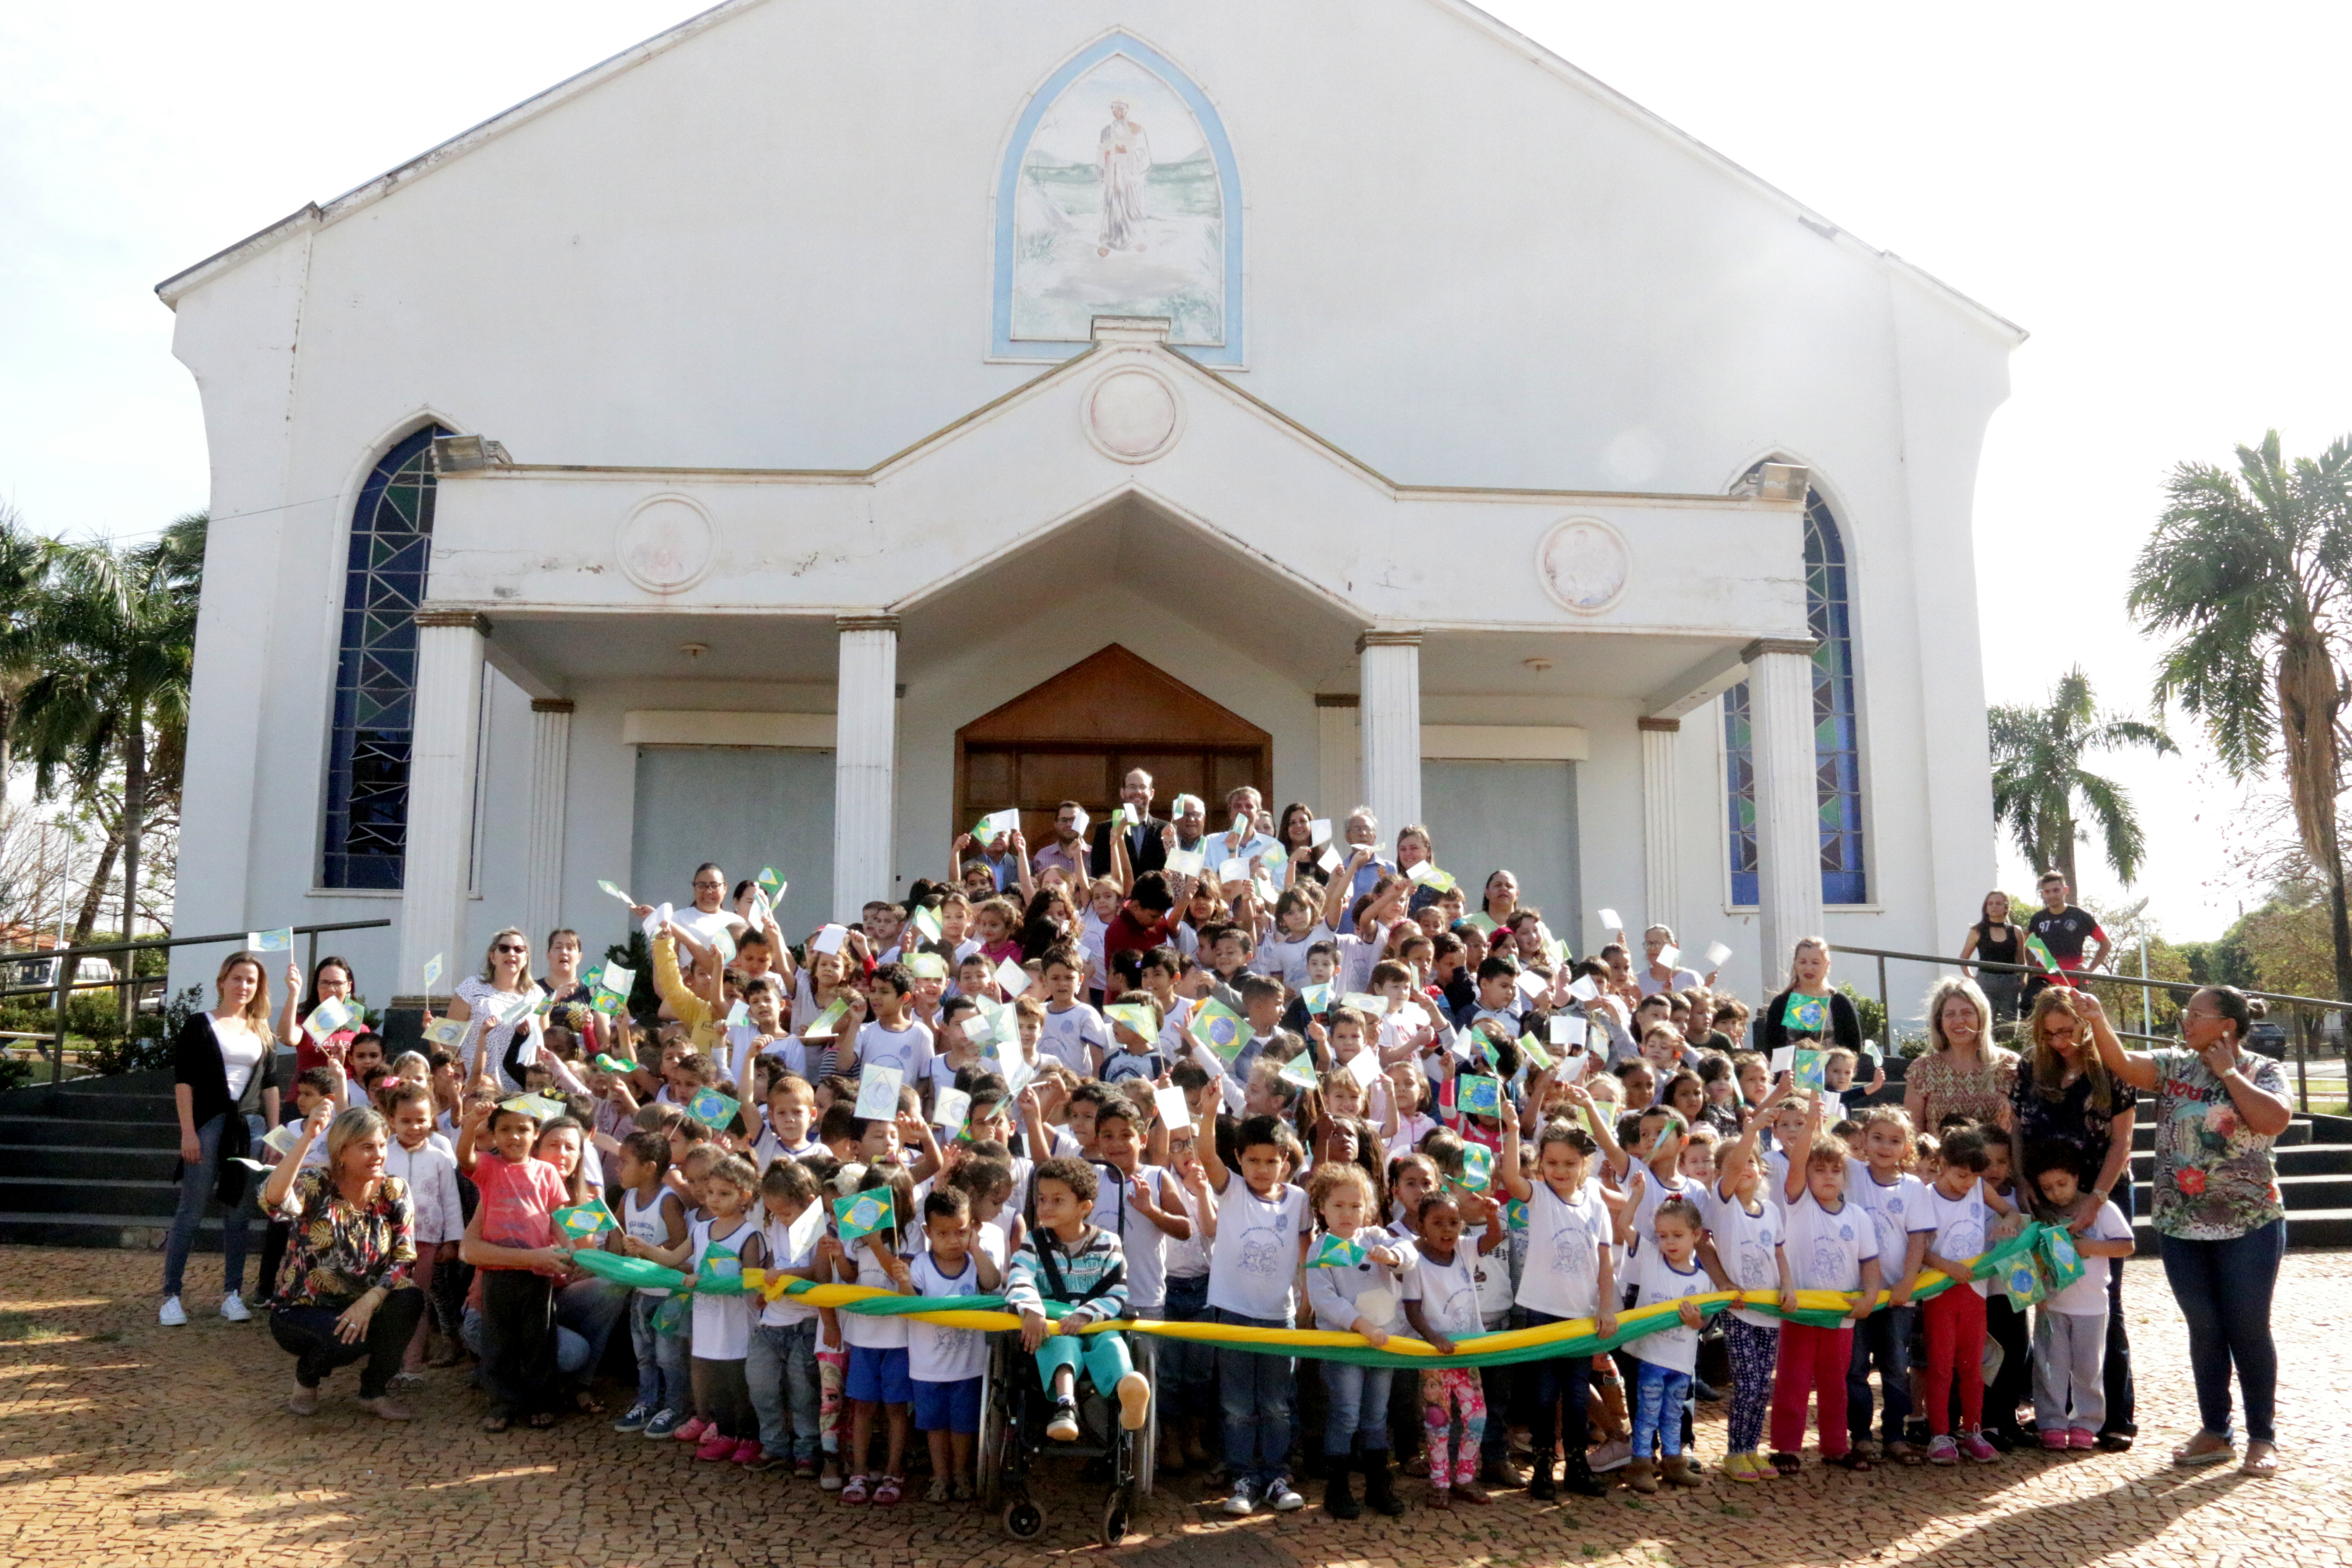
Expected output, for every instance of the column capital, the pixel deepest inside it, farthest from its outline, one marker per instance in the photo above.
(1659, 726)
(1338, 700)
(1389, 637)
(875, 623)
(473, 619)
(550, 705)
(1803, 647)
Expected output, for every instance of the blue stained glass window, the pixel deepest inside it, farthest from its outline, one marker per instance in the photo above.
(375, 678)
(1837, 747)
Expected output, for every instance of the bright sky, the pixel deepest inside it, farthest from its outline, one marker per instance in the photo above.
(2151, 191)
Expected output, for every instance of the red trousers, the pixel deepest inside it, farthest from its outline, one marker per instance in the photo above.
(1956, 1339)
(1813, 1360)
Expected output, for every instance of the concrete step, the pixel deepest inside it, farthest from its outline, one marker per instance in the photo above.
(2296, 1160)
(2298, 1131)
(142, 1232)
(64, 1196)
(84, 1132)
(67, 1163)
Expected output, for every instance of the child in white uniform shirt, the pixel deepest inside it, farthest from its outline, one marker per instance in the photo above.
(945, 1364)
(2070, 1331)
(781, 1363)
(1667, 1270)
(1569, 1274)
(1358, 1297)
(1830, 1245)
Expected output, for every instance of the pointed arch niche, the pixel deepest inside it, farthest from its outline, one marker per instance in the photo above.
(1118, 196)
(1076, 736)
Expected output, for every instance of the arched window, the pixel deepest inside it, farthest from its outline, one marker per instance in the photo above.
(375, 679)
(1837, 749)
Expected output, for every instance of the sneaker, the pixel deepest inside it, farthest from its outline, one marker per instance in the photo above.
(634, 1419)
(1241, 1502)
(964, 1490)
(1063, 1427)
(751, 1456)
(173, 1315)
(1975, 1447)
(1280, 1498)
(830, 1481)
(803, 1470)
(234, 1309)
(662, 1424)
(2055, 1439)
(715, 1448)
(1613, 1455)
(2081, 1438)
(1942, 1450)
(693, 1431)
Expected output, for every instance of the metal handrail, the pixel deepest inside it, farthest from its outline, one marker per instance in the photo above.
(65, 984)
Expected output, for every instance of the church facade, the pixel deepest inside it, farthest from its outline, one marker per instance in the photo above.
(822, 425)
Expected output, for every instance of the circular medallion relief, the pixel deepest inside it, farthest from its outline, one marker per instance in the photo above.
(1583, 565)
(666, 544)
(1133, 414)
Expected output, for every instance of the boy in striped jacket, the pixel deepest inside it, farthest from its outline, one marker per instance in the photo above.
(1070, 1261)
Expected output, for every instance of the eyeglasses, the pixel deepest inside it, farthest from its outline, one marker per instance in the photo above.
(509, 947)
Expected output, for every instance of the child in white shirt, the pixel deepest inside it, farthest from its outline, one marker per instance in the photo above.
(2070, 1331)
(1667, 1270)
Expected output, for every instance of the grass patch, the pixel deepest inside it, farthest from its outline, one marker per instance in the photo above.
(25, 1329)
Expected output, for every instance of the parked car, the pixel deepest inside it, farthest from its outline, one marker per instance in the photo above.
(2268, 1038)
(41, 974)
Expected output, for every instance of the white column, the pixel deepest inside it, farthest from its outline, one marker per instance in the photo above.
(1788, 803)
(440, 796)
(1389, 669)
(1340, 763)
(1661, 855)
(551, 771)
(865, 749)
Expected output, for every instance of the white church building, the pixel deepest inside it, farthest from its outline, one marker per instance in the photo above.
(873, 416)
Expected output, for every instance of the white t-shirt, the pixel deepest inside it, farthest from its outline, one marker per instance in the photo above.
(1654, 1281)
(1255, 1254)
(1284, 958)
(907, 1049)
(1069, 1033)
(1492, 1270)
(1146, 1243)
(1189, 1258)
(1448, 1292)
(707, 929)
(858, 1328)
(646, 1223)
(1898, 1209)
(1825, 1250)
(2087, 1297)
(794, 1245)
(241, 1051)
(936, 1355)
(1653, 1190)
(1748, 1246)
(1960, 1226)
(1564, 1236)
(723, 1324)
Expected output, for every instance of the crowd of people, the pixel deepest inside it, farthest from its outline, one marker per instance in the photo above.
(1268, 1075)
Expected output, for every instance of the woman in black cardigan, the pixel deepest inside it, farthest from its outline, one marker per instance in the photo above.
(1808, 976)
(220, 1075)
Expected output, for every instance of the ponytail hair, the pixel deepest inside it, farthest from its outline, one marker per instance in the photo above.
(2240, 1009)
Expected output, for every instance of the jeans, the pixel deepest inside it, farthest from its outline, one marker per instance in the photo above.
(661, 1358)
(1188, 1369)
(782, 1367)
(1884, 1337)
(570, 1350)
(1563, 1385)
(197, 1183)
(2223, 1288)
(1255, 1393)
(1356, 1405)
(1660, 1395)
(307, 1333)
(590, 1308)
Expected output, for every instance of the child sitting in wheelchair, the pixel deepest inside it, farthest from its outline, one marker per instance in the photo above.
(1070, 1261)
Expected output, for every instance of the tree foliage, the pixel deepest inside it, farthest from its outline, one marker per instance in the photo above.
(2042, 792)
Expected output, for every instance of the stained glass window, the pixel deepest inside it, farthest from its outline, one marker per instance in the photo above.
(1837, 749)
(375, 679)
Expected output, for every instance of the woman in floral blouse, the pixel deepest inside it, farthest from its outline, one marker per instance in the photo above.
(2065, 1094)
(348, 1294)
(2219, 1225)
(1963, 1072)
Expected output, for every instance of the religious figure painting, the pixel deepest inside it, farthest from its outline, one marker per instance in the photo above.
(1118, 212)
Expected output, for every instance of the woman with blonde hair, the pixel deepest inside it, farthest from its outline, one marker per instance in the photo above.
(1808, 978)
(222, 1086)
(490, 997)
(2065, 1094)
(1963, 1072)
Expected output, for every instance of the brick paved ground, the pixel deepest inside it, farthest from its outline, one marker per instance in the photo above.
(122, 1442)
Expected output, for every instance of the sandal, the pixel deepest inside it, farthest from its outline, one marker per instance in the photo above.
(2191, 1457)
(1903, 1453)
(1787, 1464)
(541, 1420)
(588, 1404)
(2262, 1459)
(1854, 1459)
(890, 1492)
(497, 1422)
(854, 1489)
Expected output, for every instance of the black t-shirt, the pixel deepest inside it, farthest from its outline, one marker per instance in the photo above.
(2064, 933)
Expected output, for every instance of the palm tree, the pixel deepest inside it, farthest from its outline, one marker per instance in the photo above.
(23, 563)
(117, 631)
(2248, 575)
(2038, 778)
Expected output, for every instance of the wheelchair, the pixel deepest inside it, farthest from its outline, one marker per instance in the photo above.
(1013, 1410)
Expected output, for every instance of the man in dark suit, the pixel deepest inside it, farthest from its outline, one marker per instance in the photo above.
(1146, 849)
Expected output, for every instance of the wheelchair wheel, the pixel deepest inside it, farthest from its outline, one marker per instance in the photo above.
(995, 1416)
(1023, 1519)
(1145, 1465)
(1115, 1515)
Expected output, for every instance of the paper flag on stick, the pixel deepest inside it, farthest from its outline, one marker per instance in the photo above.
(446, 1031)
(829, 939)
(284, 1138)
(1184, 862)
(770, 883)
(826, 1024)
(979, 1030)
(278, 940)
(1319, 832)
(1317, 998)
(1134, 1016)
(613, 1064)
(432, 972)
(739, 1015)
(712, 1109)
(927, 922)
(1366, 1001)
(1535, 1053)
(1783, 1059)
(1220, 1029)
(1012, 979)
(862, 1213)
(1532, 985)
(1806, 1015)
(1716, 953)
(1670, 955)
(2041, 954)
(1596, 1036)
(333, 1016)
(658, 921)
(1174, 1109)
(248, 1165)
(877, 1092)
(950, 1109)
(526, 1049)
(1329, 859)
(1231, 871)
(584, 1222)
(1809, 1066)
(1609, 920)
(1299, 1071)
(1364, 1067)
(1584, 988)
(1477, 1167)
(996, 823)
(1564, 1028)
(1334, 1252)
(616, 892)
(1013, 1067)
(538, 1108)
(928, 966)
(617, 977)
(1480, 1095)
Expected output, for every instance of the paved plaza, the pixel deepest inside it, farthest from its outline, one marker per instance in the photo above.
(122, 1442)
